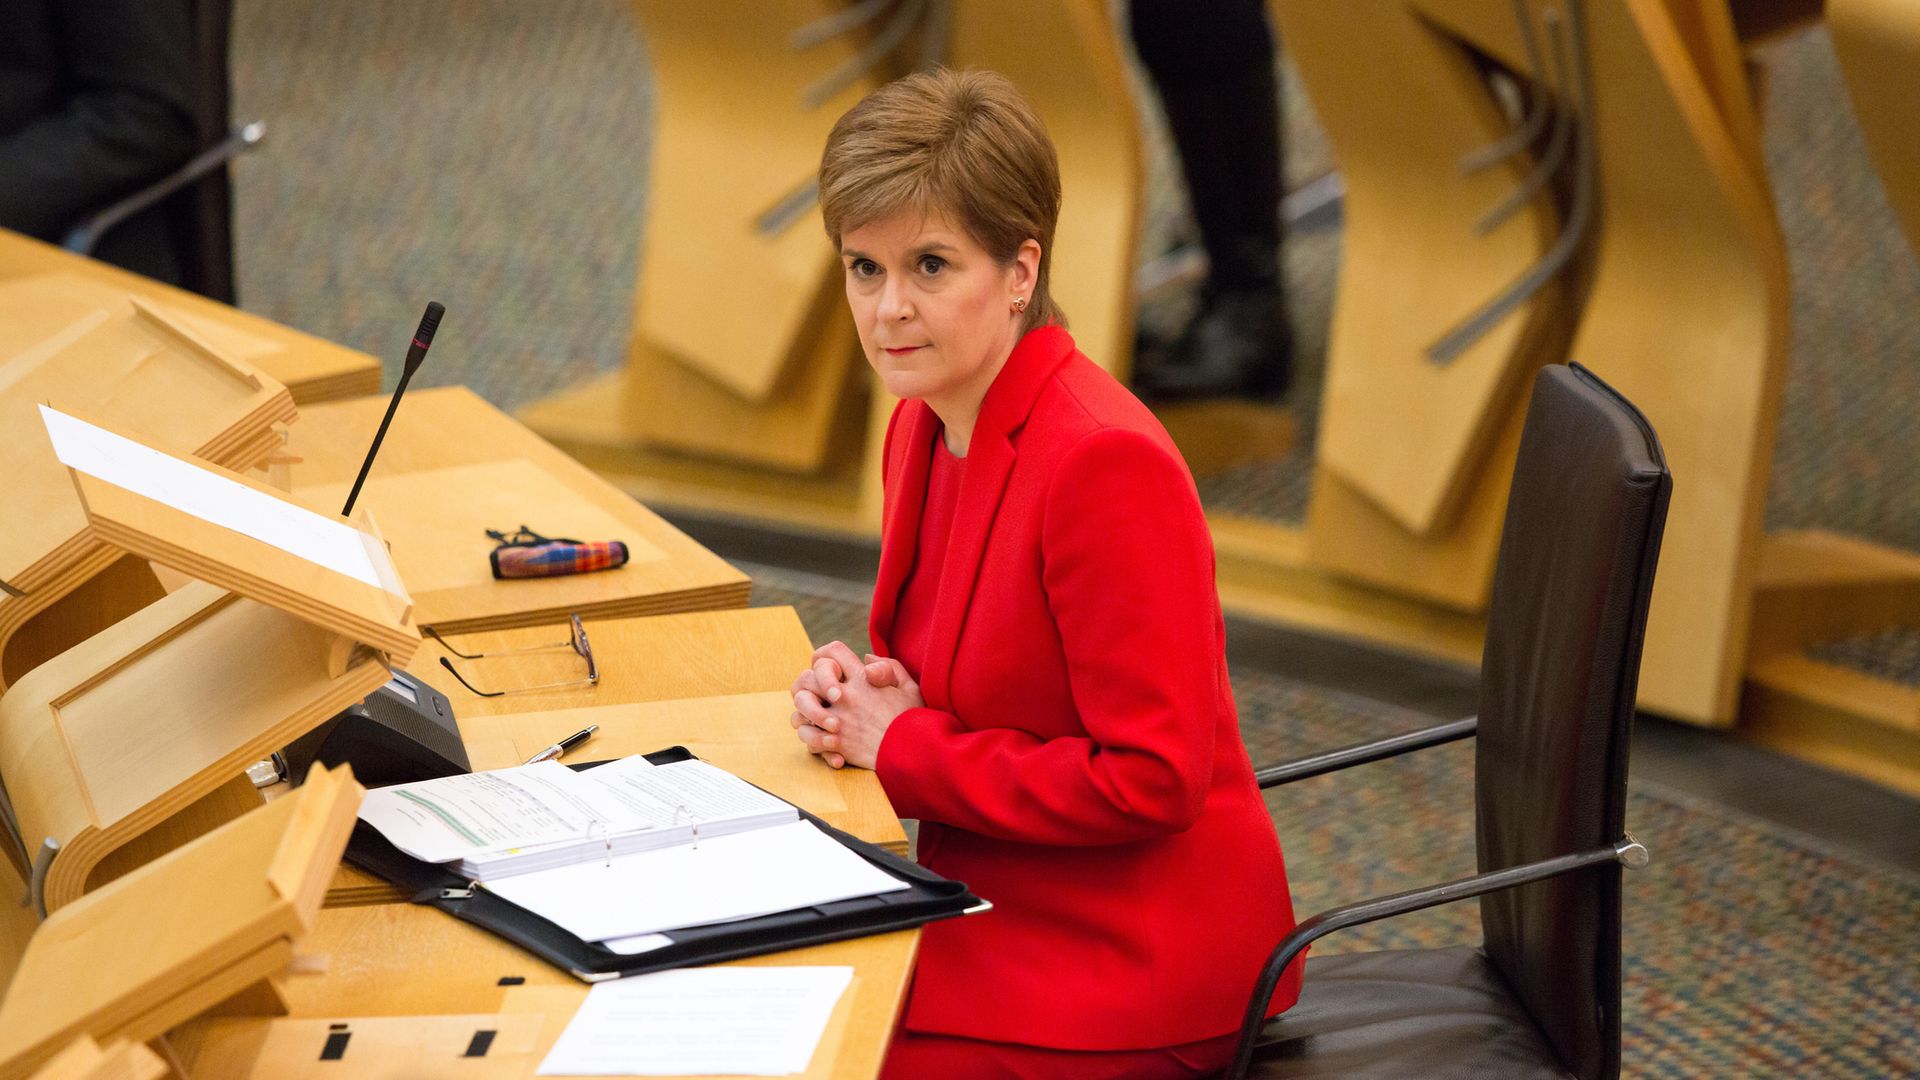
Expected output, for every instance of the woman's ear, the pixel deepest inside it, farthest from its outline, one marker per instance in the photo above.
(1026, 267)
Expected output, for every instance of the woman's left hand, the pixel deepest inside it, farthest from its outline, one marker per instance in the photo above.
(865, 701)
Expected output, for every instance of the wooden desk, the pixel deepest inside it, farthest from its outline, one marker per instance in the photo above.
(38, 281)
(452, 467)
(713, 681)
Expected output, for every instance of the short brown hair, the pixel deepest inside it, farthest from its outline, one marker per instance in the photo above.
(964, 144)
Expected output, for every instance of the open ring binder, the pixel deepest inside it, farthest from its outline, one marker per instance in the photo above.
(927, 898)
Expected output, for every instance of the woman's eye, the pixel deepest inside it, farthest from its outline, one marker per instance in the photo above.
(932, 264)
(862, 268)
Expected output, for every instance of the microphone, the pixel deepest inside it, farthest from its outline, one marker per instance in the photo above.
(422, 340)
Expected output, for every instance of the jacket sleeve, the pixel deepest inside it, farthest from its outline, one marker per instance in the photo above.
(1129, 576)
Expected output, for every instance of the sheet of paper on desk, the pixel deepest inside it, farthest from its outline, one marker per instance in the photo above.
(209, 496)
(719, 880)
(731, 1021)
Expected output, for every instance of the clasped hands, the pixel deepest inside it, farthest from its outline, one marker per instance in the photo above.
(843, 705)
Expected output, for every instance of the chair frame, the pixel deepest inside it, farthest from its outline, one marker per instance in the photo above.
(1626, 851)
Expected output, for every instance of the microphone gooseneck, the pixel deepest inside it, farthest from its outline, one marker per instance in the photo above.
(416, 352)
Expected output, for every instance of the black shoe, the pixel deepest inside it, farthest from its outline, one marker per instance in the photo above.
(1238, 345)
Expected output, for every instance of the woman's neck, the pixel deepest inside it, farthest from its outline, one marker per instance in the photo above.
(959, 409)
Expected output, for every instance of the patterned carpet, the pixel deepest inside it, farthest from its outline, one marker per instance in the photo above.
(492, 154)
(1727, 973)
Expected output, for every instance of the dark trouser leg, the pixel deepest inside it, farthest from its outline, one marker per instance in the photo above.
(1212, 62)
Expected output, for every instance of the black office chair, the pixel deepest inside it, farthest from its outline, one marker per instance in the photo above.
(197, 198)
(1541, 996)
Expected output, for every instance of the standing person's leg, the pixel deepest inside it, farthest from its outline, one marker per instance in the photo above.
(1213, 64)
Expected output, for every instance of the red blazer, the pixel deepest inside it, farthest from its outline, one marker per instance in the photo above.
(1079, 762)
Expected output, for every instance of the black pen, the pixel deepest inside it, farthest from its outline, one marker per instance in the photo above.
(565, 744)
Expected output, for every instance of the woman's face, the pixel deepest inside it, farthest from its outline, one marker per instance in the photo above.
(934, 310)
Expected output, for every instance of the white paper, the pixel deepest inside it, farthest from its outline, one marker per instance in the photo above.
(452, 817)
(719, 880)
(732, 1021)
(209, 496)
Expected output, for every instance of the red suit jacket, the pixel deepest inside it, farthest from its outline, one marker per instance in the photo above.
(1078, 763)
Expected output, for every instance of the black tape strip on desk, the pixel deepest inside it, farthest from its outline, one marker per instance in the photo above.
(928, 897)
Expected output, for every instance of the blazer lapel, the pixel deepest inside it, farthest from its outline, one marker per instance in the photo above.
(900, 527)
(990, 458)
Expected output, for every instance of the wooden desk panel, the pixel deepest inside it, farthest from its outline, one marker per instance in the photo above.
(655, 658)
(312, 368)
(396, 960)
(453, 462)
(392, 960)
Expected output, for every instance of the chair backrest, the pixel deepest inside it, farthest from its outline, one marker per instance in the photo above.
(1564, 630)
(201, 214)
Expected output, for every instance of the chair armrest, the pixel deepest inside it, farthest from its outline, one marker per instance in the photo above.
(1626, 851)
(1361, 753)
(82, 238)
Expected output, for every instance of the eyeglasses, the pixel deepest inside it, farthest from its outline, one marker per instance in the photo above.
(577, 641)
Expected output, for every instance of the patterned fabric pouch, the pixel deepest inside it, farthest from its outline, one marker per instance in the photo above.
(526, 554)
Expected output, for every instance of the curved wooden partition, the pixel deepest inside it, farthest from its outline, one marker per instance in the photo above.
(1404, 105)
(1682, 303)
(744, 391)
(127, 741)
(1878, 45)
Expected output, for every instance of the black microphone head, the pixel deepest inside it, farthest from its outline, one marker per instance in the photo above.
(423, 337)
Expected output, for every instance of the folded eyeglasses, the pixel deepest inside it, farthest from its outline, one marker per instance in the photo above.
(576, 641)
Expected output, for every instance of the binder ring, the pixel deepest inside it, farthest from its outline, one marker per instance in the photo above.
(692, 819)
(606, 836)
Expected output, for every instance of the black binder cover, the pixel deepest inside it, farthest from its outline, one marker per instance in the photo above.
(927, 898)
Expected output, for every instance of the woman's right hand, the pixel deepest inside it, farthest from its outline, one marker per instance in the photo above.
(817, 688)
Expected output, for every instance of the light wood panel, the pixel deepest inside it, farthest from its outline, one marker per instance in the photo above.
(1686, 312)
(450, 432)
(311, 368)
(677, 410)
(437, 521)
(656, 658)
(137, 368)
(1403, 105)
(733, 138)
(125, 736)
(182, 934)
(402, 961)
(1688, 317)
(1355, 538)
(83, 1059)
(1878, 45)
(378, 615)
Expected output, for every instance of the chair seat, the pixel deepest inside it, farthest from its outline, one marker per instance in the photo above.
(1426, 1013)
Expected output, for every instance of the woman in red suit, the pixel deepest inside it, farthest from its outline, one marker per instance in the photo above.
(1049, 692)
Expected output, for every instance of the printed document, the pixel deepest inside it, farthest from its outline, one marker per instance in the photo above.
(725, 1021)
(453, 817)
